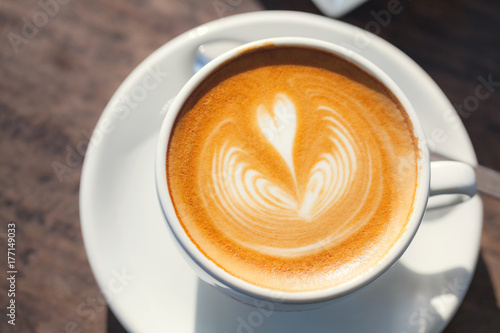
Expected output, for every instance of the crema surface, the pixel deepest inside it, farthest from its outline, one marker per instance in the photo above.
(292, 169)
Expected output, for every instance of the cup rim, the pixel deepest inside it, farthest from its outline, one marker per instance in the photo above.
(244, 287)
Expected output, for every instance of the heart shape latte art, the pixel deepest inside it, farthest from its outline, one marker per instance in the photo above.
(284, 168)
(301, 206)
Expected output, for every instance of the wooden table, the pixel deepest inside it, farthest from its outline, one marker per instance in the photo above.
(62, 61)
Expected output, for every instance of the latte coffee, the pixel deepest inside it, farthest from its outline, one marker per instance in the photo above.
(284, 168)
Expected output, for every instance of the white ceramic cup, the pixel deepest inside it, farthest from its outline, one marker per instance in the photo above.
(447, 178)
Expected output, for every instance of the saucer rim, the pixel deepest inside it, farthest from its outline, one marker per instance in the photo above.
(329, 24)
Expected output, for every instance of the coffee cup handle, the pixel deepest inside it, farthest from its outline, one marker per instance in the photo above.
(451, 177)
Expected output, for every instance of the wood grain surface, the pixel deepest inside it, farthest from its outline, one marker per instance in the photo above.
(59, 69)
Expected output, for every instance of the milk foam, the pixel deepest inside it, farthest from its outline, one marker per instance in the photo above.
(248, 197)
(286, 175)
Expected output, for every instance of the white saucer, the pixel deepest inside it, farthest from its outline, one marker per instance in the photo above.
(145, 280)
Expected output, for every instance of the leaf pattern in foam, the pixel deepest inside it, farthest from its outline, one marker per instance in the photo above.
(279, 128)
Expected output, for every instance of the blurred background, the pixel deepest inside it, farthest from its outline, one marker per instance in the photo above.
(58, 70)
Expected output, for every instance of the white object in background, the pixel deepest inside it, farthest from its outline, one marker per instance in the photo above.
(337, 8)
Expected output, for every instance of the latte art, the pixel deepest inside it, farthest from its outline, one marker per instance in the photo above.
(283, 169)
(253, 203)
